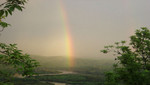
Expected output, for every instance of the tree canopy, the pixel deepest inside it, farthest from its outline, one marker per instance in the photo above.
(132, 65)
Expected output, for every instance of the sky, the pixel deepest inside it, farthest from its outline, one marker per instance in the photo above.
(92, 24)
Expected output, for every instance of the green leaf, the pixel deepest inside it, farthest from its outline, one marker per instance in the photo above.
(6, 13)
(18, 7)
(1, 13)
(104, 51)
(12, 8)
(4, 24)
(123, 42)
(10, 12)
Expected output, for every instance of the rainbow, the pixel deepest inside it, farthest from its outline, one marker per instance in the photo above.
(68, 37)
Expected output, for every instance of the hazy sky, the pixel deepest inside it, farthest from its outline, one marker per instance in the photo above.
(93, 24)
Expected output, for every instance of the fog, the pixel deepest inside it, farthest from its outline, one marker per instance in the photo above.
(39, 30)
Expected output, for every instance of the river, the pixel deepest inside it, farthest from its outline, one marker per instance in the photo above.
(56, 83)
(62, 72)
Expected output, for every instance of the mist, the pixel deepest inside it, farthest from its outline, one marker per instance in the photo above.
(38, 30)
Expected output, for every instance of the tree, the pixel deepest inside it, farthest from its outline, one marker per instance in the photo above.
(132, 65)
(10, 55)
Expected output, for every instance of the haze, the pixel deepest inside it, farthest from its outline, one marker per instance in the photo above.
(93, 24)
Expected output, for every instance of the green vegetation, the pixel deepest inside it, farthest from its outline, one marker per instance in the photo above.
(70, 79)
(26, 81)
(73, 79)
(133, 60)
(85, 73)
(88, 71)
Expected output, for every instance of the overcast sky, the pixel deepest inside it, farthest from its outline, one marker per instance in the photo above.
(93, 24)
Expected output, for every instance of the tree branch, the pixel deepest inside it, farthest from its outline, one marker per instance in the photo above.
(2, 4)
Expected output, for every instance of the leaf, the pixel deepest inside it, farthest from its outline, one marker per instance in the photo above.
(4, 24)
(6, 13)
(18, 7)
(10, 12)
(12, 8)
(104, 51)
(123, 42)
(1, 13)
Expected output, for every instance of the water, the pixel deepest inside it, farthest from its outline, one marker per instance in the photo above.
(62, 72)
(56, 83)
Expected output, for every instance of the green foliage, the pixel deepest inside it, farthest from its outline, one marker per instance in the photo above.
(26, 81)
(8, 83)
(132, 65)
(22, 63)
(10, 55)
(4, 25)
(8, 8)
